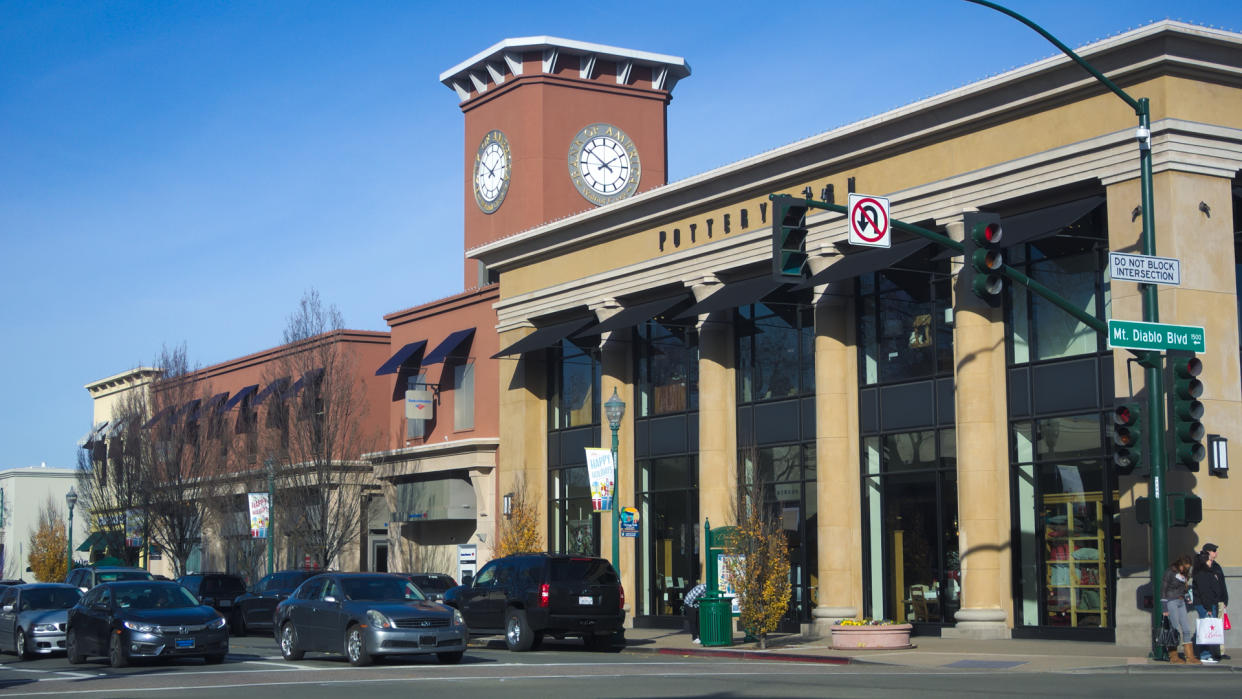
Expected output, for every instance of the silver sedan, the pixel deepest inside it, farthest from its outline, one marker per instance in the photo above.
(33, 617)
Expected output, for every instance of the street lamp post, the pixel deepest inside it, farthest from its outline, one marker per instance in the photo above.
(269, 466)
(614, 410)
(71, 499)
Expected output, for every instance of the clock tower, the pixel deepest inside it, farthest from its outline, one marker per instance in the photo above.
(555, 127)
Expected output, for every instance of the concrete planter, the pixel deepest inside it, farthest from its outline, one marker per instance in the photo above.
(871, 637)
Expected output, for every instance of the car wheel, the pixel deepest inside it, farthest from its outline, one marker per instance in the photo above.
(356, 647)
(289, 642)
(117, 657)
(19, 646)
(518, 636)
(450, 658)
(72, 652)
(238, 627)
(214, 659)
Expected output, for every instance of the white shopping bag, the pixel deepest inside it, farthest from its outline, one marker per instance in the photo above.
(1210, 632)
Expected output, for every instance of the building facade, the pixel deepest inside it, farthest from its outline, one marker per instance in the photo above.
(932, 458)
(24, 494)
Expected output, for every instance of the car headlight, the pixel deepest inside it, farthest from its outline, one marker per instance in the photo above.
(45, 628)
(141, 627)
(217, 623)
(379, 620)
(457, 620)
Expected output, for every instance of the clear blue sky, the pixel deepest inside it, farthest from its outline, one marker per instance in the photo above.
(183, 172)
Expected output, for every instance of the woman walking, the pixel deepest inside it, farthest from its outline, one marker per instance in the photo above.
(1174, 588)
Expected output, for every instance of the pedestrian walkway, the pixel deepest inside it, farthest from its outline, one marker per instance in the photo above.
(1021, 655)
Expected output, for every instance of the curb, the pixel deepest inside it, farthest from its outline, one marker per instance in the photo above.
(745, 655)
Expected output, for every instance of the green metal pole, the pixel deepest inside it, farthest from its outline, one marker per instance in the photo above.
(69, 550)
(271, 517)
(616, 511)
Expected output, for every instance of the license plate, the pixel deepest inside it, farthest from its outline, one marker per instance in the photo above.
(185, 643)
(586, 599)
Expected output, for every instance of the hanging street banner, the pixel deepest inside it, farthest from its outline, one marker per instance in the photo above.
(1132, 334)
(133, 528)
(600, 470)
(260, 514)
(1144, 269)
(629, 522)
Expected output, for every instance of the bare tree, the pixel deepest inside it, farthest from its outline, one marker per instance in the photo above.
(47, 544)
(520, 530)
(758, 563)
(112, 475)
(315, 431)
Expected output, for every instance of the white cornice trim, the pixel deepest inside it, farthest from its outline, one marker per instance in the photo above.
(613, 53)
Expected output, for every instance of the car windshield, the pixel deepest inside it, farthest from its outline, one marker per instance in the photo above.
(115, 575)
(154, 597)
(433, 583)
(50, 598)
(222, 586)
(591, 570)
(380, 589)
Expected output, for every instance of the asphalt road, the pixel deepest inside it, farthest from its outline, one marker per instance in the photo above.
(565, 671)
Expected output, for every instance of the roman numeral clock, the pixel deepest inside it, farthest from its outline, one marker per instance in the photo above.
(493, 165)
(604, 164)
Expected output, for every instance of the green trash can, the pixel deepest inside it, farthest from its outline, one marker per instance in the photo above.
(716, 621)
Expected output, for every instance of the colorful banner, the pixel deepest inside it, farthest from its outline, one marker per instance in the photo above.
(600, 471)
(629, 522)
(260, 512)
(133, 528)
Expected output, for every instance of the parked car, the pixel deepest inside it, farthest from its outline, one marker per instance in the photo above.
(33, 616)
(528, 596)
(215, 589)
(432, 585)
(256, 608)
(144, 619)
(86, 578)
(364, 615)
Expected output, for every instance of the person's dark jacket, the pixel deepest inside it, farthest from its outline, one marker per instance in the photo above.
(1172, 588)
(1209, 584)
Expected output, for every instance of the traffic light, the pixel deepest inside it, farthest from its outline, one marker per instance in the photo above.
(1127, 437)
(983, 258)
(1186, 410)
(788, 237)
(1184, 509)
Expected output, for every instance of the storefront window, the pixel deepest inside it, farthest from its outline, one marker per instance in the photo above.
(1067, 539)
(906, 321)
(573, 424)
(910, 493)
(668, 369)
(668, 505)
(775, 344)
(575, 388)
(575, 524)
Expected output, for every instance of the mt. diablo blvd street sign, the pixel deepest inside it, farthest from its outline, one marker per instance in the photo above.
(869, 221)
(1144, 269)
(1132, 334)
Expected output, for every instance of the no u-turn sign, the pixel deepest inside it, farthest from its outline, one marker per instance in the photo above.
(868, 217)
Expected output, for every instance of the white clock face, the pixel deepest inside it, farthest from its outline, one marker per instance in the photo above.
(491, 171)
(604, 164)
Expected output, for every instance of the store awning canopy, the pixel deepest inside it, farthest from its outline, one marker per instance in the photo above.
(733, 295)
(867, 262)
(403, 355)
(636, 315)
(448, 346)
(276, 387)
(241, 396)
(97, 541)
(94, 434)
(1037, 224)
(544, 337)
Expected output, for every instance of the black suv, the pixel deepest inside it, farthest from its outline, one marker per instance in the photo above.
(527, 596)
(215, 589)
(256, 608)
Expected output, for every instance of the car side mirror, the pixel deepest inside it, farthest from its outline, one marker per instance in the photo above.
(330, 599)
(8, 607)
(101, 606)
(84, 590)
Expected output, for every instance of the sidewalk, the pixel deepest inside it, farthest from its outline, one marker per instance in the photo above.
(1020, 655)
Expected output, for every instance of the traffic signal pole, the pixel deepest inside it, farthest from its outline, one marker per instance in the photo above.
(1151, 361)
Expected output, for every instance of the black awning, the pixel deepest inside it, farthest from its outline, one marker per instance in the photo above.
(734, 294)
(277, 387)
(401, 357)
(241, 396)
(446, 346)
(866, 262)
(544, 337)
(1037, 224)
(635, 315)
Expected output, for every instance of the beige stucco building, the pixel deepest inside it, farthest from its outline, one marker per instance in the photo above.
(932, 458)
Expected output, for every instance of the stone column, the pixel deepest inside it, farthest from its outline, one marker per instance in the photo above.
(837, 461)
(717, 418)
(523, 429)
(982, 463)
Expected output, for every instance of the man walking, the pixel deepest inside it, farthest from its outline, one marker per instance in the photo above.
(690, 607)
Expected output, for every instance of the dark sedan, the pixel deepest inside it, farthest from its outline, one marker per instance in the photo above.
(255, 608)
(363, 615)
(145, 619)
